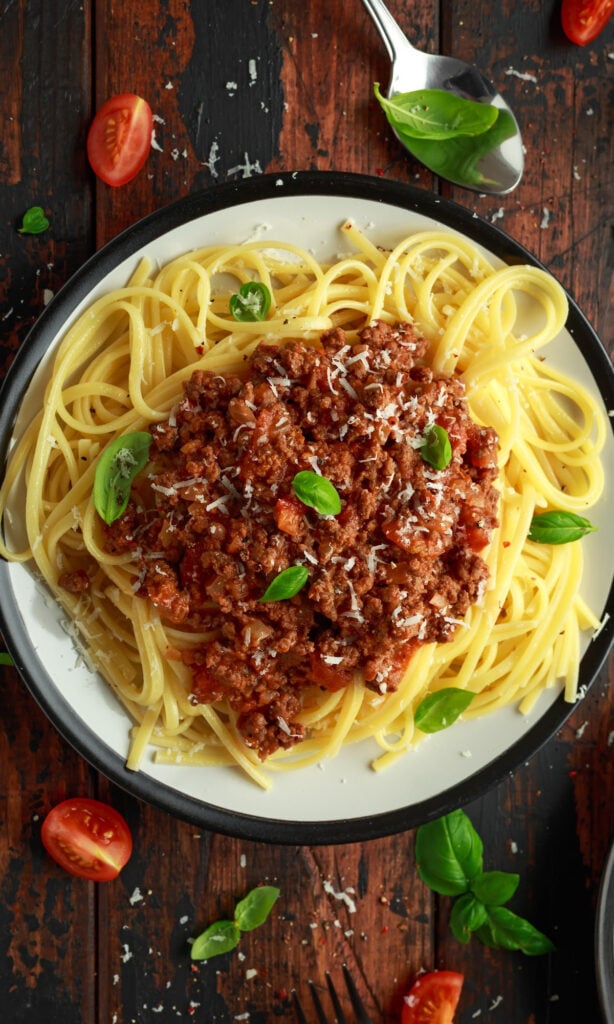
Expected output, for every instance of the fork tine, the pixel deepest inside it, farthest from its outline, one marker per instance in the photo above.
(318, 1005)
(300, 1016)
(362, 1017)
(340, 1016)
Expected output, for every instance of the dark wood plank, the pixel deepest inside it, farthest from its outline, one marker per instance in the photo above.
(48, 936)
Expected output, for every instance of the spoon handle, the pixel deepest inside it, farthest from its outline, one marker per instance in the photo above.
(395, 40)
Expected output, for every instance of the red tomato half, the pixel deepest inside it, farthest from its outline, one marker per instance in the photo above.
(583, 20)
(119, 138)
(87, 838)
(433, 998)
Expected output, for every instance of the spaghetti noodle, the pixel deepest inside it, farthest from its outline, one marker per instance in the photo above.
(122, 367)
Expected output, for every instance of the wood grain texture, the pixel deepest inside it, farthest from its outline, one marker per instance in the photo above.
(241, 88)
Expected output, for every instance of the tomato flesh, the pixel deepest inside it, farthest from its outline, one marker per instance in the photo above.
(87, 838)
(119, 138)
(583, 20)
(433, 998)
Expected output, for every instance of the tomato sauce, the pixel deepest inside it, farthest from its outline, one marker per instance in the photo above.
(216, 520)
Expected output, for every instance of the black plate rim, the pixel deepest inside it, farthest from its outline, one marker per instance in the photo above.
(33, 673)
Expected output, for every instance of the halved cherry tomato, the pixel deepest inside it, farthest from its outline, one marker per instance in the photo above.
(119, 139)
(433, 998)
(87, 838)
(583, 20)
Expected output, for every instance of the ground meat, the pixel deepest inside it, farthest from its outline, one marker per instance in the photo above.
(76, 582)
(217, 520)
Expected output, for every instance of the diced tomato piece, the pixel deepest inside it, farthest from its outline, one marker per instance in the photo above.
(288, 514)
(331, 677)
(396, 532)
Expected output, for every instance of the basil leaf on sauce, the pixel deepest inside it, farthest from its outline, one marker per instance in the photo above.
(116, 468)
(435, 114)
(5, 658)
(251, 303)
(436, 450)
(286, 584)
(558, 527)
(317, 492)
(253, 910)
(439, 710)
(34, 221)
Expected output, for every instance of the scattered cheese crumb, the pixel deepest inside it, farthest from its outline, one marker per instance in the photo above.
(525, 76)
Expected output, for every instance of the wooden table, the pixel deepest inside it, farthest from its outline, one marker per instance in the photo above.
(76, 953)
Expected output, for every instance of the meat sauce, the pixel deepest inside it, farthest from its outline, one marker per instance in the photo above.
(216, 520)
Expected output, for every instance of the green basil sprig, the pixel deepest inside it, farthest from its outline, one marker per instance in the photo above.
(436, 450)
(251, 303)
(116, 468)
(558, 527)
(426, 118)
(439, 710)
(449, 858)
(286, 584)
(436, 114)
(34, 221)
(249, 913)
(5, 658)
(317, 492)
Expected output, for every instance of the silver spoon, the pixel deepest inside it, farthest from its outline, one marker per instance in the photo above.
(500, 167)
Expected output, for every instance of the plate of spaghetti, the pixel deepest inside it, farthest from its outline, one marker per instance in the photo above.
(305, 508)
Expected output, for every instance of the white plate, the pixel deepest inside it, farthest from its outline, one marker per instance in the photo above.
(341, 800)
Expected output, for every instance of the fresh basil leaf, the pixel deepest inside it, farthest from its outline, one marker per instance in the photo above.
(5, 658)
(458, 158)
(256, 907)
(436, 114)
(558, 527)
(116, 468)
(34, 221)
(467, 915)
(317, 492)
(439, 710)
(251, 303)
(495, 887)
(505, 930)
(436, 450)
(449, 853)
(286, 584)
(220, 937)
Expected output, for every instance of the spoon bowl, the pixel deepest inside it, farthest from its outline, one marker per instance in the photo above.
(499, 167)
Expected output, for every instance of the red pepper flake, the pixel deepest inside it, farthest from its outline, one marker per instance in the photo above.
(323, 940)
(200, 349)
(282, 994)
(383, 930)
(379, 171)
(572, 774)
(506, 543)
